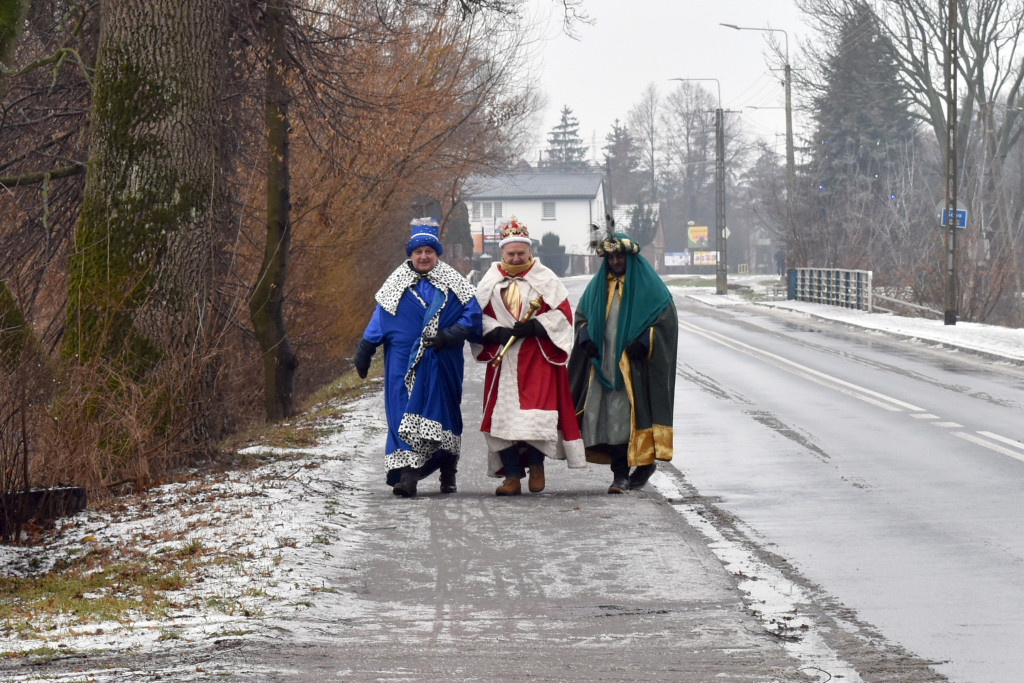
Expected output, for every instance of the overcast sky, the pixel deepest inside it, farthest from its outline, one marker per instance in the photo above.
(632, 43)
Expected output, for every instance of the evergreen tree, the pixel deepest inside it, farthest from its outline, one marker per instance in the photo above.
(622, 163)
(862, 127)
(566, 151)
(643, 220)
(458, 231)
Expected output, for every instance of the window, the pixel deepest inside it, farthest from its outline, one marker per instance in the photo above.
(548, 211)
(485, 210)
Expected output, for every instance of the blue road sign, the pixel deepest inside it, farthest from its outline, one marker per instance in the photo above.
(961, 217)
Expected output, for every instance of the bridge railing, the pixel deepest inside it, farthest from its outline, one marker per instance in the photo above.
(832, 286)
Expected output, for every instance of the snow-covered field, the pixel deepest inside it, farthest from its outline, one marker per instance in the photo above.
(255, 540)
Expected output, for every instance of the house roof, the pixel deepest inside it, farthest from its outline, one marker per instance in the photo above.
(527, 185)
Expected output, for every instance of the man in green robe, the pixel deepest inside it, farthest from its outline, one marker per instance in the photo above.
(623, 365)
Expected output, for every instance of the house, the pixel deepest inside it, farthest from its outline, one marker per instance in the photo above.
(565, 204)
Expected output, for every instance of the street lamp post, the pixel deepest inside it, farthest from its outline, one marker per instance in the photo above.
(721, 269)
(790, 157)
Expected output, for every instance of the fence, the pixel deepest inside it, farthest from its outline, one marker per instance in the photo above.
(832, 286)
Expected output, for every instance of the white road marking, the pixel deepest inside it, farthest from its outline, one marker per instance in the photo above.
(989, 445)
(864, 394)
(873, 397)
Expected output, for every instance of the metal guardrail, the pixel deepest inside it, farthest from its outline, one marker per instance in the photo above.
(900, 302)
(832, 286)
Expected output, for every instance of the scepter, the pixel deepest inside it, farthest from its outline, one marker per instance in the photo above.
(534, 307)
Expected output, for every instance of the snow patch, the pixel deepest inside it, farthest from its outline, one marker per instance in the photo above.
(773, 598)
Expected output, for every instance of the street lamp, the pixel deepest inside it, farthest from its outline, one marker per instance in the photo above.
(790, 161)
(721, 283)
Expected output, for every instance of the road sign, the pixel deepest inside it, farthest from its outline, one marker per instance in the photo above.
(960, 217)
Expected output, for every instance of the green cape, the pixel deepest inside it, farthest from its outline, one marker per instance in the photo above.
(644, 297)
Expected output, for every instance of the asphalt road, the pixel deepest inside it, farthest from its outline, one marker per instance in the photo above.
(888, 472)
(570, 584)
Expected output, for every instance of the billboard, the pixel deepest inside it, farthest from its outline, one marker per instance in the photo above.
(489, 228)
(677, 258)
(697, 237)
(705, 258)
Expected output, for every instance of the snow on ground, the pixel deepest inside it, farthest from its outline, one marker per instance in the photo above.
(260, 535)
(259, 538)
(998, 342)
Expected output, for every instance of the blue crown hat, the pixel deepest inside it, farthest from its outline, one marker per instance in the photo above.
(425, 233)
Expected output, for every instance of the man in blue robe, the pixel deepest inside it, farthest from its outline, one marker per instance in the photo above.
(425, 312)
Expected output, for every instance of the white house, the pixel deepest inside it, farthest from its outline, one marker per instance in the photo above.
(563, 203)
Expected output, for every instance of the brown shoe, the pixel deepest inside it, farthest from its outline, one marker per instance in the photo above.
(536, 478)
(510, 487)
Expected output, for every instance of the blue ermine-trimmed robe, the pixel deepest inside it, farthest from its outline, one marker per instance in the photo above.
(422, 386)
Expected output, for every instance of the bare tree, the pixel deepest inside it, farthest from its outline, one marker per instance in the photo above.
(991, 71)
(643, 123)
(689, 147)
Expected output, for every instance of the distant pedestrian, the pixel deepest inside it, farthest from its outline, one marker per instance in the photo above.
(780, 262)
(623, 365)
(528, 410)
(425, 312)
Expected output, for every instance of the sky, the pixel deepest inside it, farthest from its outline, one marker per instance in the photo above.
(633, 43)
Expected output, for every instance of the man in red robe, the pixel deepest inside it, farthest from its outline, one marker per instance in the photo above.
(528, 408)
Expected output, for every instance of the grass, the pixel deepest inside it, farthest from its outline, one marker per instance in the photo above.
(100, 586)
(324, 404)
(691, 282)
(41, 654)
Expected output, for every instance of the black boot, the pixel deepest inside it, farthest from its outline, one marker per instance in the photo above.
(620, 470)
(406, 486)
(640, 475)
(448, 469)
(619, 485)
(448, 480)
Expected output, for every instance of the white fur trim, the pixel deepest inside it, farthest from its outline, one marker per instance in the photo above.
(510, 240)
(510, 423)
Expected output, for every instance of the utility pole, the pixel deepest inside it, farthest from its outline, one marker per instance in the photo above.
(952, 57)
(721, 267)
(721, 284)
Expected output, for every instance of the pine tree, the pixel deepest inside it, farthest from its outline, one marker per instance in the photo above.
(862, 127)
(622, 162)
(566, 151)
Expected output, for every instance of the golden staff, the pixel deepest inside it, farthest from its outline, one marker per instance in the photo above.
(534, 307)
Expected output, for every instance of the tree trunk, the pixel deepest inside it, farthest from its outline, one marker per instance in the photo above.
(140, 275)
(12, 20)
(267, 303)
(141, 270)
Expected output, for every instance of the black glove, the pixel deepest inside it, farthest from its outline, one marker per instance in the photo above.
(639, 348)
(449, 336)
(499, 336)
(364, 354)
(586, 344)
(529, 328)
